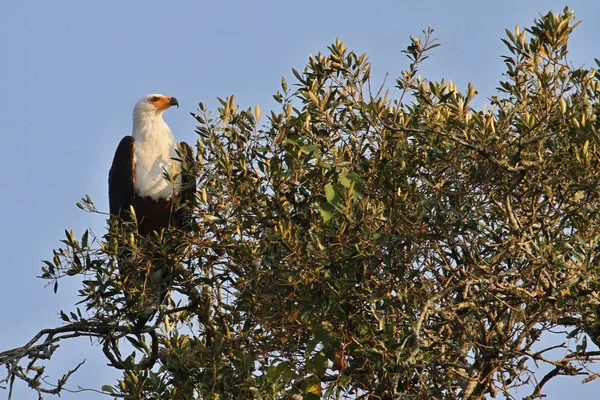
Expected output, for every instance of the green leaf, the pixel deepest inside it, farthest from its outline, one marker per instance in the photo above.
(290, 141)
(327, 212)
(322, 331)
(84, 238)
(107, 388)
(353, 180)
(319, 364)
(313, 388)
(332, 196)
(297, 75)
(135, 343)
(310, 149)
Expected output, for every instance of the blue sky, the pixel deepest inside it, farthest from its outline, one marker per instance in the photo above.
(71, 71)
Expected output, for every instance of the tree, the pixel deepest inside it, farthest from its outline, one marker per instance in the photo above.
(371, 244)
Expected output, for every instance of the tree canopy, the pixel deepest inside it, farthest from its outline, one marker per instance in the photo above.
(364, 242)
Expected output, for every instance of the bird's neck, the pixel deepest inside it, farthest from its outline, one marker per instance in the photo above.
(150, 127)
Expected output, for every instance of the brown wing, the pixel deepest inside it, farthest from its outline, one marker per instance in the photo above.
(120, 179)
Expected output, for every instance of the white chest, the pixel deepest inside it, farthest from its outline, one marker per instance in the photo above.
(154, 148)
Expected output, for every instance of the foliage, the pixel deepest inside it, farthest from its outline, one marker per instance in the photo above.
(365, 244)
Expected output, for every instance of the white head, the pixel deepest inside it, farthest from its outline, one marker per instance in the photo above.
(153, 106)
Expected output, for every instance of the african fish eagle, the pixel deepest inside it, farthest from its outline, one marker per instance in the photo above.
(137, 179)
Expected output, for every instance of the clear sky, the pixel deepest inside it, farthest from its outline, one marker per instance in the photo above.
(71, 71)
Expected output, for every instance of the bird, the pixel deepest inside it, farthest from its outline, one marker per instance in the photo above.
(137, 181)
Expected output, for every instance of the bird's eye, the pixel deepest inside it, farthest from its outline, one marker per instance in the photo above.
(154, 99)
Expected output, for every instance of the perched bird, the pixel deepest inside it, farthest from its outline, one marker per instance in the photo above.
(137, 180)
